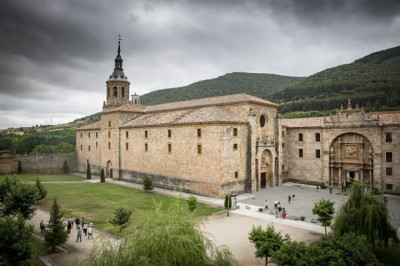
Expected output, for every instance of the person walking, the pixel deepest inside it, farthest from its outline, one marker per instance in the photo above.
(283, 213)
(69, 227)
(77, 222)
(275, 204)
(266, 205)
(42, 227)
(79, 235)
(85, 228)
(90, 234)
(290, 199)
(91, 224)
(330, 189)
(385, 200)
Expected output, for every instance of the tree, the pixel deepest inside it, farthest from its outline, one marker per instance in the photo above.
(365, 214)
(42, 191)
(57, 233)
(65, 167)
(88, 172)
(15, 242)
(290, 253)
(147, 183)
(121, 218)
(192, 203)
(228, 203)
(324, 209)
(266, 241)
(102, 176)
(19, 167)
(166, 237)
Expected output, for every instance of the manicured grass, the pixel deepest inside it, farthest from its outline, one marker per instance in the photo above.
(39, 249)
(96, 203)
(45, 177)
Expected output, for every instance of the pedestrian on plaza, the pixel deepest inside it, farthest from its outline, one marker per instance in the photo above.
(42, 227)
(289, 198)
(82, 220)
(275, 204)
(91, 224)
(276, 212)
(385, 200)
(85, 228)
(330, 189)
(345, 188)
(266, 205)
(77, 222)
(342, 188)
(90, 235)
(79, 234)
(283, 213)
(69, 227)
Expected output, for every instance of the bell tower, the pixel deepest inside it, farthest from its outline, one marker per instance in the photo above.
(117, 90)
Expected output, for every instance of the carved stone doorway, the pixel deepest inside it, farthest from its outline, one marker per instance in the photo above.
(109, 170)
(263, 180)
(266, 164)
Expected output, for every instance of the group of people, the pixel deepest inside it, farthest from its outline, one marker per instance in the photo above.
(279, 211)
(81, 225)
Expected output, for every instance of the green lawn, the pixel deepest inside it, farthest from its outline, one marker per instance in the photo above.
(39, 249)
(45, 177)
(96, 202)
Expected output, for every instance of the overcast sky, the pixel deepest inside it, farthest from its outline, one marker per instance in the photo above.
(55, 55)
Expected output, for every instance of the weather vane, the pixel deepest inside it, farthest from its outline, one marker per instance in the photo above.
(119, 37)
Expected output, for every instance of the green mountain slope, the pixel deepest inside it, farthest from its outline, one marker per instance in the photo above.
(257, 84)
(372, 81)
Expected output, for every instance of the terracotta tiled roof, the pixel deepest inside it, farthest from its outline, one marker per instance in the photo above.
(210, 114)
(95, 125)
(303, 122)
(389, 118)
(128, 108)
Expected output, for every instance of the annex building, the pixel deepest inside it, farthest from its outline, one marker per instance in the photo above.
(235, 143)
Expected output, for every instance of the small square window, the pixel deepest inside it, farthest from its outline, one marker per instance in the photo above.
(236, 174)
(235, 147)
(109, 134)
(300, 136)
(317, 153)
(146, 134)
(169, 133)
(389, 157)
(126, 146)
(109, 123)
(146, 147)
(199, 149)
(389, 171)
(283, 133)
(283, 145)
(317, 137)
(235, 132)
(300, 153)
(388, 137)
(169, 147)
(81, 134)
(126, 134)
(199, 132)
(89, 148)
(389, 186)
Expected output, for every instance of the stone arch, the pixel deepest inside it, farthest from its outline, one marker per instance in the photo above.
(351, 158)
(109, 170)
(266, 169)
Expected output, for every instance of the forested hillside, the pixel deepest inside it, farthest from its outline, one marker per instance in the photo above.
(372, 81)
(260, 85)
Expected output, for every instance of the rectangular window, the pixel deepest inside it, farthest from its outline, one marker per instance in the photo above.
(283, 167)
(126, 134)
(109, 134)
(81, 147)
(389, 186)
(169, 147)
(235, 132)
(236, 175)
(146, 147)
(283, 145)
(109, 145)
(300, 153)
(199, 149)
(283, 134)
(300, 136)
(145, 134)
(81, 134)
(199, 132)
(97, 144)
(97, 134)
(89, 135)
(235, 147)
(317, 137)
(169, 133)
(126, 146)
(389, 171)
(109, 123)
(89, 148)
(389, 157)
(317, 153)
(388, 137)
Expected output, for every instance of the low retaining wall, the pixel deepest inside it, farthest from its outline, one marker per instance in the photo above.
(47, 163)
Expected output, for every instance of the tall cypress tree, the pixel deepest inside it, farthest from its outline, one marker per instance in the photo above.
(42, 191)
(88, 172)
(57, 233)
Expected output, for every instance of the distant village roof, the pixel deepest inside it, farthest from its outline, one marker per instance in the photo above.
(95, 125)
(210, 114)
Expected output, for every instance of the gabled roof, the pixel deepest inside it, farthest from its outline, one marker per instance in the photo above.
(303, 122)
(95, 125)
(211, 114)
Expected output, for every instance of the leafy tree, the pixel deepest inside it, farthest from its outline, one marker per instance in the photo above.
(290, 253)
(102, 176)
(364, 214)
(65, 167)
(19, 167)
(88, 171)
(121, 218)
(228, 203)
(324, 209)
(15, 242)
(147, 183)
(266, 241)
(192, 203)
(57, 233)
(171, 237)
(18, 198)
(42, 192)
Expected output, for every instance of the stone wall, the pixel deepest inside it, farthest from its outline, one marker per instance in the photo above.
(47, 164)
(8, 162)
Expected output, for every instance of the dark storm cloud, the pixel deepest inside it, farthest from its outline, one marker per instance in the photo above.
(57, 54)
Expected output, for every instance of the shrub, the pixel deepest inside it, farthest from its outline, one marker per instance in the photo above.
(19, 167)
(192, 203)
(147, 183)
(102, 176)
(228, 203)
(323, 186)
(65, 167)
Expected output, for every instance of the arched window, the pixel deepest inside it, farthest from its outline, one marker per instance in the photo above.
(115, 92)
(262, 121)
(122, 92)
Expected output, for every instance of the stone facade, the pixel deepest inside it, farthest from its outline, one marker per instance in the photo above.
(8, 162)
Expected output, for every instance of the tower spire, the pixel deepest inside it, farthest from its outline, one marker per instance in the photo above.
(118, 60)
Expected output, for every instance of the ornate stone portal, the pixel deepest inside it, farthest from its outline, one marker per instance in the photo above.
(266, 179)
(350, 158)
